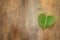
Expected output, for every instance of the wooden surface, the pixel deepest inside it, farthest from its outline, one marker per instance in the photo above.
(18, 19)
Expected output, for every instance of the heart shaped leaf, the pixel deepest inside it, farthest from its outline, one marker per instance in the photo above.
(45, 21)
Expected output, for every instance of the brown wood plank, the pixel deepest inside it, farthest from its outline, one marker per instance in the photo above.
(18, 19)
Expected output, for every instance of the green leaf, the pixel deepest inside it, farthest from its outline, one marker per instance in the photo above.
(45, 21)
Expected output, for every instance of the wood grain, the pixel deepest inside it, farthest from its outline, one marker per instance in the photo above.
(18, 19)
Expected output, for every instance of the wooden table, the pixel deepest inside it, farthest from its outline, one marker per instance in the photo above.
(18, 19)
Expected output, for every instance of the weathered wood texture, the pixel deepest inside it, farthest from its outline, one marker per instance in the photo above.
(18, 19)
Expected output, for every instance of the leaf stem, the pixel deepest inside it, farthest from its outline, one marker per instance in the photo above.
(45, 22)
